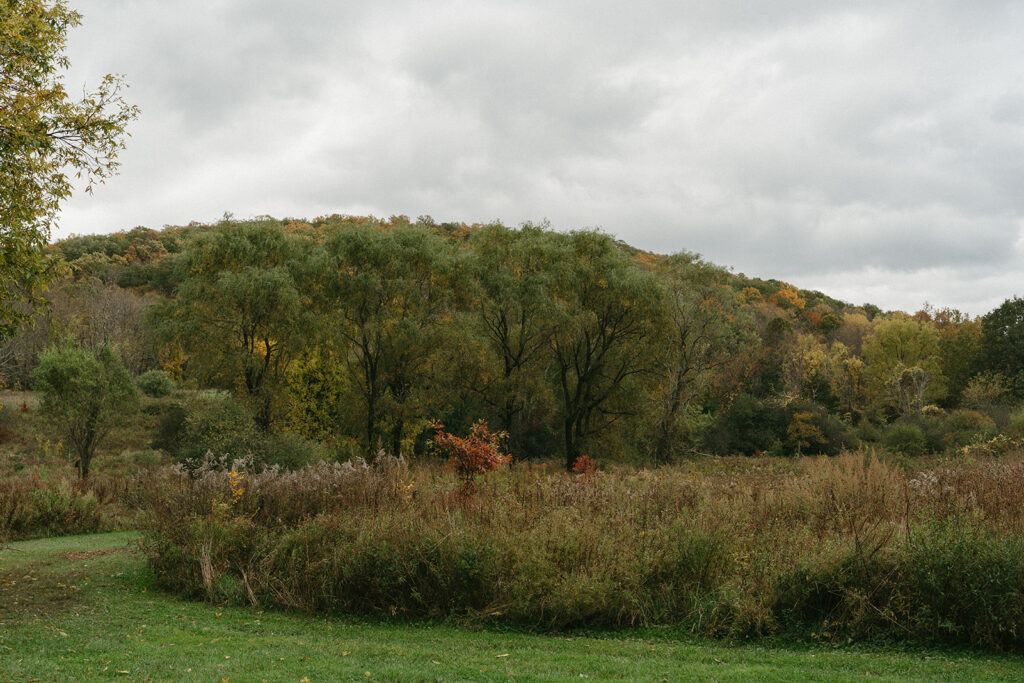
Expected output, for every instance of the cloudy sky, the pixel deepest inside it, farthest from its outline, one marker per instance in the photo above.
(874, 150)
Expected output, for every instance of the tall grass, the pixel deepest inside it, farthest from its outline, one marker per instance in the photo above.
(32, 507)
(839, 548)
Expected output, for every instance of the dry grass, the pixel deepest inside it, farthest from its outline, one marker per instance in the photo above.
(740, 551)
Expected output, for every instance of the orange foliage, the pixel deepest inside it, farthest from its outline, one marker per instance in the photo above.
(789, 297)
(478, 453)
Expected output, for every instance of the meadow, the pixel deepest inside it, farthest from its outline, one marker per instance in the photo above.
(88, 607)
(838, 550)
(741, 567)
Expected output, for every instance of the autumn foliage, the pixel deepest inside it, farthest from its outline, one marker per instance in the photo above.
(473, 455)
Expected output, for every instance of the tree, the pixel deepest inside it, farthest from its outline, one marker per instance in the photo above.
(701, 336)
(85, 395)
(903, 364)
(386, 295)
(47, 140)
(242, 310)
(1002, 343)
(608, 311)
(514, 272)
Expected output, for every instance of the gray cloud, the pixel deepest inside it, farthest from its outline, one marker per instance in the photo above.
(875, 149)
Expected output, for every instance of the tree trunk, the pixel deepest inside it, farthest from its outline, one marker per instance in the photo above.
(570, 446)
(396, 438)
(371, 426)
(84, 460)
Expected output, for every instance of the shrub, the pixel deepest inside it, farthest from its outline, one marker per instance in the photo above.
(947, 583)
(831, 548)
(996, 446)
(867, 432)
(156, 383)
(291, 451)
(7, 424)
(968, 426)
(1015, 427)
(905, 438)
(476, 454)
(934, 429)
(749, 426)
(812, 430)
(170, 430)
(985, 391)
(31, 508)
(221, 426)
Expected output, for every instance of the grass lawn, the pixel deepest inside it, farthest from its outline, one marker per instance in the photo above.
(85, 607)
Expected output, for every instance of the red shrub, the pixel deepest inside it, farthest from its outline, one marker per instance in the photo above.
(585, 465)
(478, 453)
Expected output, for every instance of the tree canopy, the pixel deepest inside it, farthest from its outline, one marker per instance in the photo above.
(85, 395)
(47, 142)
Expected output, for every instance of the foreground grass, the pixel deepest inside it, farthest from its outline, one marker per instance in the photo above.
(85, 607)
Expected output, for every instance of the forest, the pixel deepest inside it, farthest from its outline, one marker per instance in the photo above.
(345, 336)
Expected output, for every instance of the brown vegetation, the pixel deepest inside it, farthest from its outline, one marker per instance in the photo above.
(849, 547)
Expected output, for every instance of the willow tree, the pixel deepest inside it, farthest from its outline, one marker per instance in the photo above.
(386, 297)
(242, 310)
(701, 335)
(47, 141)
(607, 311)
(514, 272)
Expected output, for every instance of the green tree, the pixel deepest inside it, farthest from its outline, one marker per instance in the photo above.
(701, 335)
(47, 140)
(85, 395)
(1002, 343)
(387, 297)
(242, 311)
(608, 311)
(904, 369)
(514, 271)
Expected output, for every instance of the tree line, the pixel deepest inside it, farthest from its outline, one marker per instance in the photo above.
(358, 332)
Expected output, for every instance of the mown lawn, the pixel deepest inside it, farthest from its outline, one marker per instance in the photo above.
(84, 607)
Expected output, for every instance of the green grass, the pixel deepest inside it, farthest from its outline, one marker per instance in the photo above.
(76, 616)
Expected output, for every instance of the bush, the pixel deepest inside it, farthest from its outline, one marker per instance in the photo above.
(934, 429)
(812, 430)
(221, 426)
(985, 391)
(820, 549)
(472, 456)
(749, 426)
(32, 508)
(1015, 428)
(867, 432)
(156, 383)
(291, 451)
(170, 430)
(949, 583)
(905, 438)
(968, 426)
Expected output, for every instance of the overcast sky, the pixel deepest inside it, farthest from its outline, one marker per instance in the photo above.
(873, 150)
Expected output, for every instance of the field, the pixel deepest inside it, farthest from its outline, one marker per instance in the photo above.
(86, 607)
(865, 564)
